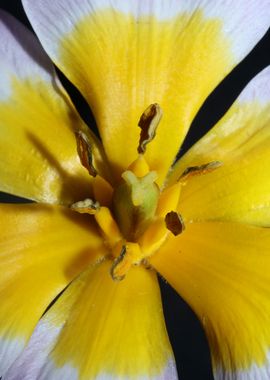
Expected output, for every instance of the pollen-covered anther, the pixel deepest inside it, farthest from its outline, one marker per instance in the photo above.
(148, 123)
(87, 206)
(85, 152)
(192, 171)
(130, 254)
(174, 223)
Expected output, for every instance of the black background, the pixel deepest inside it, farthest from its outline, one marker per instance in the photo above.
(186, 335)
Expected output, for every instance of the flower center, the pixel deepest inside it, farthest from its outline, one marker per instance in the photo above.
(134, 203)
(135, 217)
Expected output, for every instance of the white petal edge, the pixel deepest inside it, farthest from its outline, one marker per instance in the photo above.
(42, 368)
(258, 89)
(246, 20)
(255, 372)
(68, 372)
(35, 362)
(9, 348)
(40, 342)
(21, 54)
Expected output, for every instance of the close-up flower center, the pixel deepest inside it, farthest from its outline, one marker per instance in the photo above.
(135, 216)
(134, 189)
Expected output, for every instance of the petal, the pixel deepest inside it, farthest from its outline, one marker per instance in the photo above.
(242, 128)
(42, 248)
(125, 55)
(222, 271)
(101, 329)
(239, 189)
(39, 159)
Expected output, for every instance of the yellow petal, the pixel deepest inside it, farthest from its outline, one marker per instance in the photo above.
(223, 271)
(241, 129)
(126, 55)
(38, 151)
(42, 248)
(102, 329)
(238, 190)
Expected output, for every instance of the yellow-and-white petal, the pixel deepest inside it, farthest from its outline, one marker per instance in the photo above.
(38, 152)
(222, 271)
(42, 248)
(101, 329)
(125, 55)
(241, 128)
(239, 189)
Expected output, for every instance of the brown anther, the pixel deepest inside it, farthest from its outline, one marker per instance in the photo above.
(174, 223)
(148, 124)
(87, 206)
(115, 270)
(85, 152)
(199, 170)
(146, 264)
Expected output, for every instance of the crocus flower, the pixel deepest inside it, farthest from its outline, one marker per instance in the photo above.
(108, 216)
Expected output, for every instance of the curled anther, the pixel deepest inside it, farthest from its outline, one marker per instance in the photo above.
(85, 152)
(115, 271)
(146, 264)
(199, 170)
(148, 123)
(174, 223)
(87, 206)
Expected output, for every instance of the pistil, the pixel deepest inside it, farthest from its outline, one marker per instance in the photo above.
(134, 203)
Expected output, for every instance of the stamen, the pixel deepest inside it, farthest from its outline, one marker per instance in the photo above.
(174, 223)
(169, 199)
(108, 226)
(116, 273)
(148, 123)
(85, 152)
(152, 239)
(199, 170)
(87, 206)
(103, 191)
(130, 255)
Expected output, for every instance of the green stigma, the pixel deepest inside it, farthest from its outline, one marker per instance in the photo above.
(135, 202)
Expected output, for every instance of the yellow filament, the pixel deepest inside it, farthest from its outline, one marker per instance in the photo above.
(168, 200)
(103, 191)
(153, 237)
(129, 254)
(108, 225)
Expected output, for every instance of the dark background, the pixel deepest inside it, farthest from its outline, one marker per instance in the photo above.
(187, 337)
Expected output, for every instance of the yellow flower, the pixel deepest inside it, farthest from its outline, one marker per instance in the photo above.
(110, 215)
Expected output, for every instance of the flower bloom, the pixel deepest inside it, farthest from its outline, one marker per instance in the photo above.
(109, 215)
